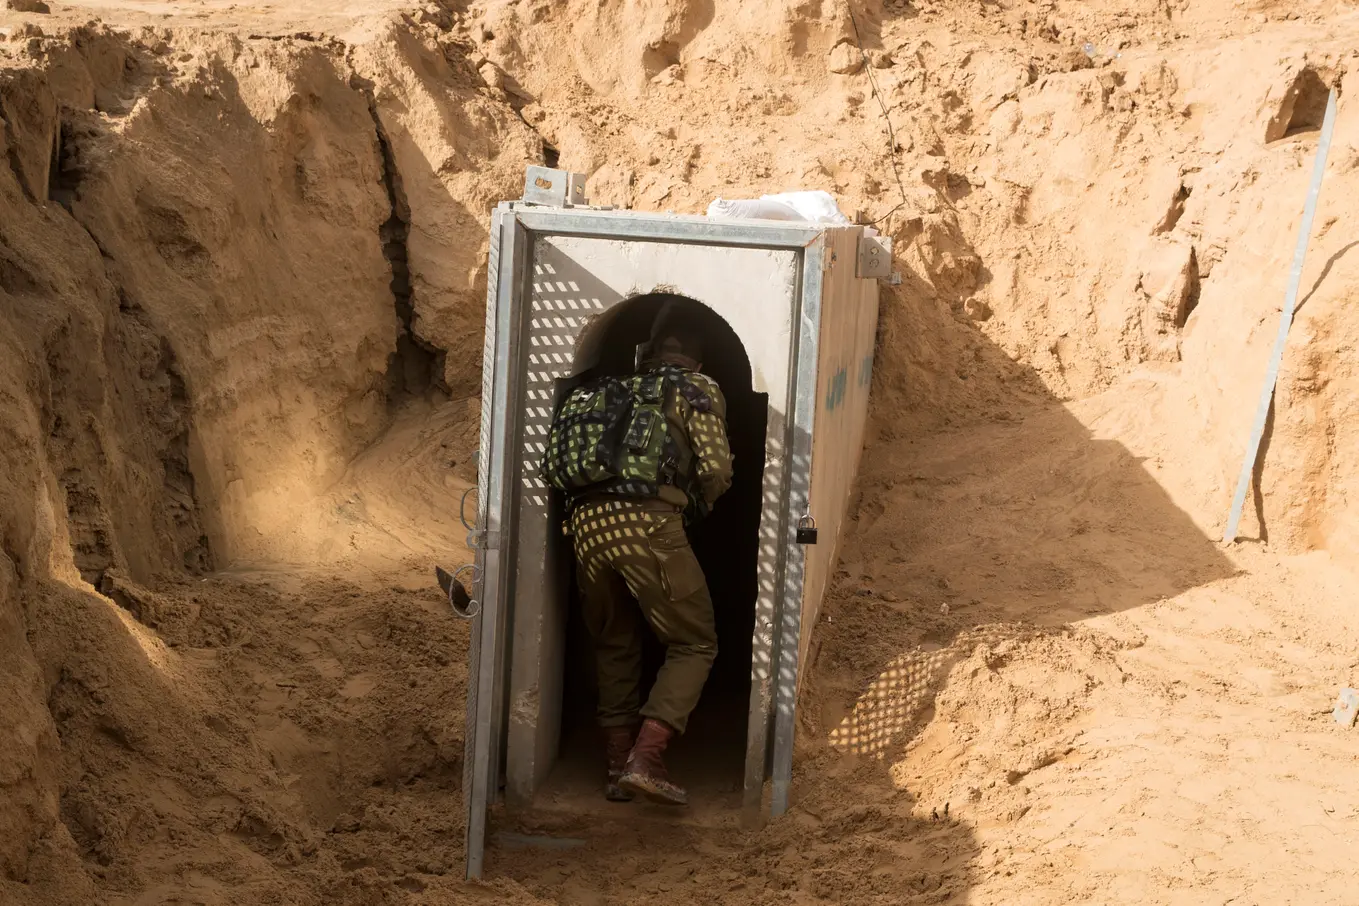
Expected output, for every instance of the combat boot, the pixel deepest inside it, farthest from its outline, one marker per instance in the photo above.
(645, 771)
(617, 744)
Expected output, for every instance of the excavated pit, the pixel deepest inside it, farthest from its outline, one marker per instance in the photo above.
(242, 274)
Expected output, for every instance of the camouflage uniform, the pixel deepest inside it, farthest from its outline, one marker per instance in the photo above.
(628, 548)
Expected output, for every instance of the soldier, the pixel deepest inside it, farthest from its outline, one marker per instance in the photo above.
(634, 561)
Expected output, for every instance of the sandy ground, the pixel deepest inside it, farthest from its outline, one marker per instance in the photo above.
(241, 276)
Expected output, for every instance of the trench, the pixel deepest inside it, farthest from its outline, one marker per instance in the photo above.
(189, 777)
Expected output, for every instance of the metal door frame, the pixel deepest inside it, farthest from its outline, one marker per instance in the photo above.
(492, 577)
(514, 228)
(803, 396)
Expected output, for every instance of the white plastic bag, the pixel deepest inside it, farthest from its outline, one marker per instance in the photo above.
(752, 210)
(816, 206)
(813, 207)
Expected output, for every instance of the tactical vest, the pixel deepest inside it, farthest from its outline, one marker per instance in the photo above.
(611, 436)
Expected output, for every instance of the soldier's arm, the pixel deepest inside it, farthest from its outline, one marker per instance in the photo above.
(708, 437)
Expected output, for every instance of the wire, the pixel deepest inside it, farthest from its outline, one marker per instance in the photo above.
(891, 133)
(462, 508)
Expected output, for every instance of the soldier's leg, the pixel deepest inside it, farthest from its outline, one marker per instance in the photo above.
(673, 593)
(679, 609)
(612, 620)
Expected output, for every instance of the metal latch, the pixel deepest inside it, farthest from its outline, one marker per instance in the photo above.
(806, 530)
(554, 188)
(875, 257)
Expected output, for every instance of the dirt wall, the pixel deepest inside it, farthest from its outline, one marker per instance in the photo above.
(1084, 196)
(202, 330)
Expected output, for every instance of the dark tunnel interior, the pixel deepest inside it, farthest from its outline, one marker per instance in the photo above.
(710, 757)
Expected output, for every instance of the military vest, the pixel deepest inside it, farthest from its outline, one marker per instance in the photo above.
(611, 436)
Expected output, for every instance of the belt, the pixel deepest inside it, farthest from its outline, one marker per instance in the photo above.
(650, 504)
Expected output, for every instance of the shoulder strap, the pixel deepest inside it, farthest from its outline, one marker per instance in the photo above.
(692, 393)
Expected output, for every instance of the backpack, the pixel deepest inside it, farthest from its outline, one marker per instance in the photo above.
(611, 435)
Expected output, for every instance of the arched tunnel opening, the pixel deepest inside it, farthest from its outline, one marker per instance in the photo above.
(710, 758)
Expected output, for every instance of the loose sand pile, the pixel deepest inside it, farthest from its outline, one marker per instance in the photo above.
(242, 270)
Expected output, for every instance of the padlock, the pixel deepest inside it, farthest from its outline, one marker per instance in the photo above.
(806, 530)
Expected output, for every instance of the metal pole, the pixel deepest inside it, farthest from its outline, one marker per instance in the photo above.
(1257, 430)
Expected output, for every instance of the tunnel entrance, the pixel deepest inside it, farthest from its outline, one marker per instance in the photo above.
(710, 758)
(788, 318)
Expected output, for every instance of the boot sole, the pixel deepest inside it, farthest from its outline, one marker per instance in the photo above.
(652, 791)
(614, 793)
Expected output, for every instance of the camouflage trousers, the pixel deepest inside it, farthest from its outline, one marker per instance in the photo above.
(635, 563)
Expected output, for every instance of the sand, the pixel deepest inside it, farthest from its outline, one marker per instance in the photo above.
(242, 271)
